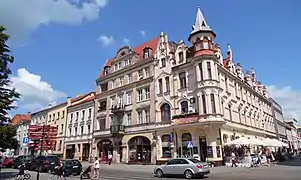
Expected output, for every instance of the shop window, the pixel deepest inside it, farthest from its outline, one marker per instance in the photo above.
(166, 149)
(186, 138)
(104, 148)
(165, 112)
(139, 149)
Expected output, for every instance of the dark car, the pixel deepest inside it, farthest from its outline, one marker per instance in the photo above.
(72, 166)
(20, 160)
(7, 162)
(45, 163)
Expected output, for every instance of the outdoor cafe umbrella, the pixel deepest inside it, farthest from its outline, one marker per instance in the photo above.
(274, 143)
(246, 141)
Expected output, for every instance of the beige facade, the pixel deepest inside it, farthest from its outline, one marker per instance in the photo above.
(125, 105)
(57, 116)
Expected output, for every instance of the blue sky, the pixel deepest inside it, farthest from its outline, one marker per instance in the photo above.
(65, 50)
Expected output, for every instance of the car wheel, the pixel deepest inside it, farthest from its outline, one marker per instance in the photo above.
(159, 173)
(188, 174)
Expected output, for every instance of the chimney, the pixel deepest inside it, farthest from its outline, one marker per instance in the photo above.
(68, 101)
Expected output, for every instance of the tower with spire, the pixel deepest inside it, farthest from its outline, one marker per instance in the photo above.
(202, 35)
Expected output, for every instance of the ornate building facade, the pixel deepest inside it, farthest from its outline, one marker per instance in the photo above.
(165, 99)
(125, 117)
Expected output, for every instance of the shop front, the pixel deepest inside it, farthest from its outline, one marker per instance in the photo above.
(104, 147)
(139, 150)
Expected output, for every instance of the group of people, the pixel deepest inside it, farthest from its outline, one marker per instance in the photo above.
(257, 159)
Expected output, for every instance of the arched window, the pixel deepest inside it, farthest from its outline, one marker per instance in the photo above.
(204, 104)
(165, 112)
(212, 103)
(166, 149)
(184, 107)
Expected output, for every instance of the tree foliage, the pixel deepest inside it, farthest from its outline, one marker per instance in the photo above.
(7, 94)
(8, 137)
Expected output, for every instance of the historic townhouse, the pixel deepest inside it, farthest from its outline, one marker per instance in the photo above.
(292, 131)
(204, 100)
(22, 122)
(57, 116)
(125, 117)
(80, 115)
(279, 121)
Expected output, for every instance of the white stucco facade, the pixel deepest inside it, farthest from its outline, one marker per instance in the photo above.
(22, 132)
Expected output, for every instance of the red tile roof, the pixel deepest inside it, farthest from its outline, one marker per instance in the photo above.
(81, 97)
(18, 118)
(139, 50)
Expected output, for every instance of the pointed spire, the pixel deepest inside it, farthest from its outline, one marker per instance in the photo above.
(200, 22)
(229, 53)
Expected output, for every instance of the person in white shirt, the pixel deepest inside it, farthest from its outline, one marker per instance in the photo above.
(233, 158)
(96, 168)
(110, 157)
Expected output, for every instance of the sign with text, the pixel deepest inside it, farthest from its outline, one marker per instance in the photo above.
(185, 120)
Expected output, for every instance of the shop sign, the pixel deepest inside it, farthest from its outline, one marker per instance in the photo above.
(187, 120)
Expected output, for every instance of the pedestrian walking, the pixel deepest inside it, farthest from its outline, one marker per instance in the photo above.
(96, 166)
(233, 158)
(110, 157)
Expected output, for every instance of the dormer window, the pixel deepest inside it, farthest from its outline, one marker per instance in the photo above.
(181, 56)
(163, 62)
(107, 70)
(146, 53)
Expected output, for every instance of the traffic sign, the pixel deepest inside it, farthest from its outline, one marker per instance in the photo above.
(190, 144)
(25, 140)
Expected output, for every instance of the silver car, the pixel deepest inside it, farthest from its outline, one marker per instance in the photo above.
(183, 166)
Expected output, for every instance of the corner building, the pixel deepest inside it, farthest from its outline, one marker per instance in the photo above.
(199, 100)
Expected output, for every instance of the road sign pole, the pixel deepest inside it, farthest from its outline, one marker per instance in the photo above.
(41, 148)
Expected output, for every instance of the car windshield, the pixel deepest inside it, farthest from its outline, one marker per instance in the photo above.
(194, 160)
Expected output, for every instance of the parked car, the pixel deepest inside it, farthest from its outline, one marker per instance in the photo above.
(20, 160)
(72, 166)
(44, 163)
(7, 162)
(189, 168)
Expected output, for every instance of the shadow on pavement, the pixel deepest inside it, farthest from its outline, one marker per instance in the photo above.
(7, 175)
(291, 162)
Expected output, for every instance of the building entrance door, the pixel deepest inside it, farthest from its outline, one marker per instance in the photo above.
(203, 149)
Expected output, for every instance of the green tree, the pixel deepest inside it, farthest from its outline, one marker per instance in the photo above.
(7, 94)
(8, 137)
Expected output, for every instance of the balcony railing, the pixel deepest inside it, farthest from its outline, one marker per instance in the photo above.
(118, 108)
(117, 129)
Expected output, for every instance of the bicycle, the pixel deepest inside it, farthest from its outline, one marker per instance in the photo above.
(25, 176)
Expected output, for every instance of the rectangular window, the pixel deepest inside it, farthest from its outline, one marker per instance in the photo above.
(63, 114)
(204, 104)
(147, 72)
(163, 62)
(182, 77)
(115, 67)
(147, 116)
(212, 103)
(181, 56)
(71, 117)
(129, 119)
(129, 98)
(209, 70)
(83, 114)
(130, 78)
(75, 131)
(89, 129)
(77, 115)
(140, 95)
(205, 45)
(167, 84)
(120, 100)
(90, 112)
(62, 128)
(160, 86)
(119, 65)
(70, 131)
(140, 117)
(147, 93)
(82, 130)
(121, 82)
(140, 74)
(201, 71)
(113, 84)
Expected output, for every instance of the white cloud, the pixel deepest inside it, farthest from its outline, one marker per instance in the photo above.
(106, 40)
(35, 93)
(289, 99)
(21, 17)
(126, 41)
(142, 32)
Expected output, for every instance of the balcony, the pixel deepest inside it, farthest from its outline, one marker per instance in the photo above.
(119, 108)
(187, 118)
(117, 129)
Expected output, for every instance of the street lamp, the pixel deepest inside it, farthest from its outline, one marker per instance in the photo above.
(41, 149)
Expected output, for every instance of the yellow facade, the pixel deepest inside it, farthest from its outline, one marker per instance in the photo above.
(57, 117)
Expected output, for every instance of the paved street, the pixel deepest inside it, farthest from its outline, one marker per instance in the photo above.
(290, 170)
